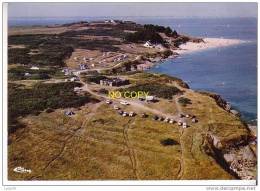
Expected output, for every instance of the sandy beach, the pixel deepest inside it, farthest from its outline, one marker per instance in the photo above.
(207, 44)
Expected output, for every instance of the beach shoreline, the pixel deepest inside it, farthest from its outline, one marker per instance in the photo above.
(209, 43)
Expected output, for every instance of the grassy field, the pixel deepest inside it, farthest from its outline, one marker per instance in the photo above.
(97, 143)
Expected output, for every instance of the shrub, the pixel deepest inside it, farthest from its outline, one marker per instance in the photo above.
(162, 91)
(168, 142)
(166, 30)
(144, 35)
(23, 101)
(95, 79)
(184, 101)
(167, 53)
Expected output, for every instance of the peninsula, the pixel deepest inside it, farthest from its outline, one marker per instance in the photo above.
(63, 125)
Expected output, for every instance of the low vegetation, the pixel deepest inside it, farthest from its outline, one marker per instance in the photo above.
(144, 35)
(19, 73)
(23, 101)
(166, 30)
(168, 142)
(52, 50)
(94, 79)
(184, 101)
(161, 91)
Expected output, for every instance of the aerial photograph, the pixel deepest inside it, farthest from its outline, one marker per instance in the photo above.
(132, 91)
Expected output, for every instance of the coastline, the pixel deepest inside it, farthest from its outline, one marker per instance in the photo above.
(209, 43)
(220, 144)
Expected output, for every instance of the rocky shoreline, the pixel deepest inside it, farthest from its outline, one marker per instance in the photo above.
(238, 155)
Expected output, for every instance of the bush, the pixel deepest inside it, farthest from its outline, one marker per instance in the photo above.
(167, 53)
(184, 101)
(166, 30)
(162, 91)
(49, 110)
(168, 142)
(23, 101)
(95, 79)
(18, 73)
(144, 35)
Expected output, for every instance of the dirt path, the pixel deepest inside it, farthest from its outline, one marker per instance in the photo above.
(181, 130)
(131, 151)
(100, 69)
(64, 144)
(133, 103)
(154, 111)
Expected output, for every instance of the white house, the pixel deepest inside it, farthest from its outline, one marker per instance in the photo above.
(77, 89)
(69, 113)
(27, 74)
(73, 79)
(149, 98)
(184, 125)
(148, 44)
(112, 21)
(35, 68)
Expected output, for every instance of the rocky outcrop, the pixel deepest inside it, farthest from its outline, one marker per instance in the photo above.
(237, 154)
(221, 103)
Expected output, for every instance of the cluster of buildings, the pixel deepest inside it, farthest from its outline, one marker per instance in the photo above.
(114, 82)
(121, 58)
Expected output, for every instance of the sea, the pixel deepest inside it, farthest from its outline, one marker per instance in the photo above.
(228, 71)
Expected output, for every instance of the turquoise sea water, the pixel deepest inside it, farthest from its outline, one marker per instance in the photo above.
(230, 71)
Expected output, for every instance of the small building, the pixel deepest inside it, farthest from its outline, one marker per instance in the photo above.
(150, 98)
(112, 21)
(27, 74)
(74, 79)
(133, 68)
(77, 89)
(194, 120)
(82, 66)
(67, 71)
(184, 125)
(132, 114)
(76, 73)
(114, 82)
(35, 68)
(69, 113)
(148, 44)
